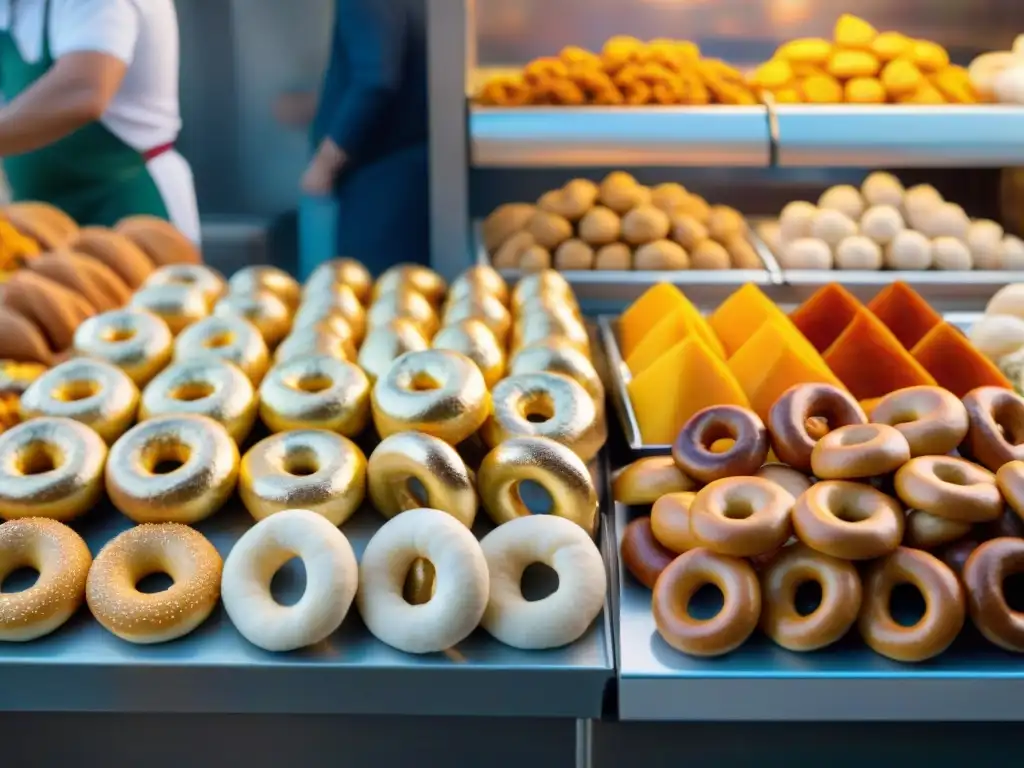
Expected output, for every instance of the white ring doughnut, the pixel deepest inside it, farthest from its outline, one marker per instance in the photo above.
(563, 616)
(460, 576)
(331, 578)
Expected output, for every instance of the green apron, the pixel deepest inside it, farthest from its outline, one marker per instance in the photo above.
(91, 174)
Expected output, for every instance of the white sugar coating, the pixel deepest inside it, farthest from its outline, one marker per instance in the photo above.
(951, 253)
(832, 226)
(880, 188)
(843, 198)
(984, 241)
(1012, 253)
(796, 219)
(909, 250)
(858, 252)
(806, 253)
(881, 223)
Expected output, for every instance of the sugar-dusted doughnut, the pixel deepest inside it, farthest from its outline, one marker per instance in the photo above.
(136, 341)
(315, 392)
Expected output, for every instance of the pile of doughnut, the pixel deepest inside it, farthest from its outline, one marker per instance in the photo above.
(861, 65)
(926, 490)
(618, 224)
(157, 404)
(884, 226)
(999, 75)
(626, 72)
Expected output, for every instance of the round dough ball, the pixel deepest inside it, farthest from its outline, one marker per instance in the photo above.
(985, 242)
(1008, 86)
(996, 336)
(918, 201)
(600, 226)
(710, 255)
(951, 254)
(858, 252)
(725, 222)
(742, 254)
(535, 259)
(668, 196)
(796, 219)
(645, 224)
(571, 201)
(1008, 300)
(687, 231)
(549, 230)
(945, 220)
(832, 227)
(661, 254)
(881, 223)
(771, 234)
(909, 250)
(881, 188)
(582, 188)
(508, 255)
(505, 221)
(806, 253)
(695, 206)
(616, 256)
(620, 192)
(574, 254)
(1011, 253)
(844, 198)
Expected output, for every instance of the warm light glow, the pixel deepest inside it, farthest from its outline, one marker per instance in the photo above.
(786, 12)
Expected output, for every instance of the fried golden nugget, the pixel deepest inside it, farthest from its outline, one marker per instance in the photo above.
(560, 91)
(619, 51)
(725, 83)
(955, 85)
(574, 56)
(544, 69)
(505, 91)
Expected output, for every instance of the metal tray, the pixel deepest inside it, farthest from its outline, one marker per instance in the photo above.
(972, 681)
(81, 667)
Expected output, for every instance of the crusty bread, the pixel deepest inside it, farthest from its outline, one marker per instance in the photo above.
(115, 251)
(160, 240)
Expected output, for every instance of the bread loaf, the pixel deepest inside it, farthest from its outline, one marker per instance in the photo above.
(115, 251)
(159, 240)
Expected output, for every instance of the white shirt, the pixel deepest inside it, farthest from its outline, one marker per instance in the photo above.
(145, 112)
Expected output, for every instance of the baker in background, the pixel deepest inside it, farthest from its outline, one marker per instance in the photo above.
(370, 132)
(91, 112)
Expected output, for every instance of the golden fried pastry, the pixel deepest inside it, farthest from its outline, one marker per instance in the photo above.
(160, 240)
(688, 231)
(709, 255)
(614, 256)
(55, 310)
(742, 254)
(667, 196)
(571, 201)
(505, 91)
(536, 258)
(549, 230)
(115, 251)
(511, 251)
(864, 90)
(504, 222)
(573, 255)
(645, 224)
(621, 192)
(661, 255)
(22, 340)
(98, 285)
(600, 226)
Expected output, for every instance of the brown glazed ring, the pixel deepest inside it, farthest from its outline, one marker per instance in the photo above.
(787, 478)
(647, 480)
(927, 531)
(851, 521)
(741, 516)
(642, 555)
(859, 451)
(692, 448)
(670, 522)
(944, 611)
(984, 574)
(951, 488)
(805, 405)
(996, 433)
(1010, 479)
(933, 420)
(730, 627)
(835, 614)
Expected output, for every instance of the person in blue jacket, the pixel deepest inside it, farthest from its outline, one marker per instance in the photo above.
(370, 132)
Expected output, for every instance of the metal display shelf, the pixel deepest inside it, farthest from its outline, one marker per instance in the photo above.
(760, 681)
(895, 136)
(620, 376)
(621, 136)
(83, 668)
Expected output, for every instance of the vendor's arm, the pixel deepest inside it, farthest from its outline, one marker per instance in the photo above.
(92, 42)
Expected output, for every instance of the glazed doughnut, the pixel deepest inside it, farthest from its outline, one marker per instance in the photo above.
(177, 305)
(310, 469)
(741, 516)
(543, 405)
(226, 338)
(647, 480)
(386, 344)
(264, 277)
(670, 522)
(478, 278)
(339, 301)
(204, 387)
(265, 310)
(461, 579)
(332, 576)
(1010, 480)
(473, 339)
(61, 558)
(545, 283)
(92, 392)
(205, 279)
(787, 478)
(788, 420)
(114, 250)
(644, 557)
(313, 340)
(436, 391)
(950, 488)
(730, 627)
(850, 521)
(407, 302)
(933, 420)
(50, 467)
(172, 469)
(161, 241)
(136, 341)
(182, 553)
(830, 620)
(984, 575)
(944, 606)
(315, 392)
(340, 271)
(559, 356)
(563, 616)
(415, 276)
(550, 465)
(486, 308)
(859, 451)
(996, 432)
(927, 531)
(405, 457)
(692, 448)
(541, 325)
(333, 324)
